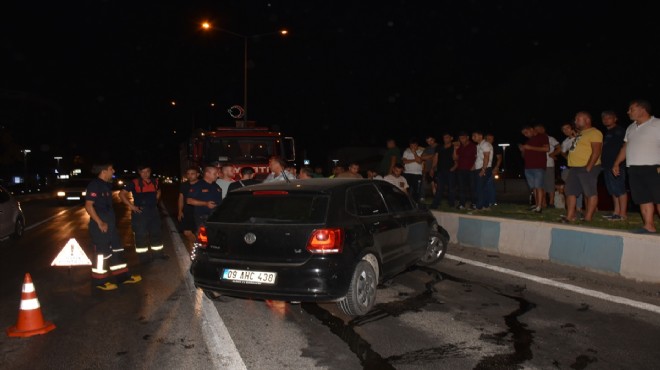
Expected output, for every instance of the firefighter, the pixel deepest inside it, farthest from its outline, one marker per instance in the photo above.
(109, 262)
(145, 218)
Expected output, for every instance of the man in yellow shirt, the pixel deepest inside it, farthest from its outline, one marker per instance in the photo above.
(584, 162)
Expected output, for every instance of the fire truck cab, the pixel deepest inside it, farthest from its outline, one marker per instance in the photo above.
(243, 145)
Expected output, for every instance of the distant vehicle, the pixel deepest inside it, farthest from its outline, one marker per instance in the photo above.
(314, 240)
(71, 190)
(243, 145)
(12, 220)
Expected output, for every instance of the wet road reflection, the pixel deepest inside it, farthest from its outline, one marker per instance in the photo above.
(517, 332)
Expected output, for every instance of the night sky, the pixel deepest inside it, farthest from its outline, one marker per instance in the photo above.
(92, 78)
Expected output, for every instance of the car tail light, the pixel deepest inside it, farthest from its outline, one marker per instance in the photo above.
(202, 237)
(326, 241)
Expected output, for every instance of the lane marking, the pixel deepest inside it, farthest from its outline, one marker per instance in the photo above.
(221, 346)
(60, 213)
(32, 226)
(556, 284)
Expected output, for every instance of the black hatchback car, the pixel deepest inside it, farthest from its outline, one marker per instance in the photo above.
(314, 240)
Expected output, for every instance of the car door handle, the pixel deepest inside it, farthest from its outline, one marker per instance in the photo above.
(374, 227)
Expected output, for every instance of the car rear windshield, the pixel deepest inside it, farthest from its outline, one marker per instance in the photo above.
(272, 209)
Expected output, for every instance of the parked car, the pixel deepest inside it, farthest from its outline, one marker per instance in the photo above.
(71, 190)
(314, 240)
(12, 221)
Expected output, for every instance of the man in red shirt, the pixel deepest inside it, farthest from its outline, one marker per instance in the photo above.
(534, 153)
(465, 154)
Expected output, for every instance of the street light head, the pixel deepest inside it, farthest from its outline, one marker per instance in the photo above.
(206, 26)
(284, 32)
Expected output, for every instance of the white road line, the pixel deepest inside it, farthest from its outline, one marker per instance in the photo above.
(556, 284)
(221, 346)
(60, 213)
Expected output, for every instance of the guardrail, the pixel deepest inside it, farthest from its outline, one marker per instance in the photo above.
(633, 256)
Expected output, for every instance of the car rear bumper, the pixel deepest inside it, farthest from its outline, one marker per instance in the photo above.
(318, 279)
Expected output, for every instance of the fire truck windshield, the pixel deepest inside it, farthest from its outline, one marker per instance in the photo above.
(240, 149)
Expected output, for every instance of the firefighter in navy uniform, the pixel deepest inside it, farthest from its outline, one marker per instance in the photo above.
(145, 218)
(109, 263)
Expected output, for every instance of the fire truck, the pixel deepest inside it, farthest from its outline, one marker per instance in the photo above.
(242, 145)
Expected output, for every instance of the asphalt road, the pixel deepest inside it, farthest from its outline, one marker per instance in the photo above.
(453, 315)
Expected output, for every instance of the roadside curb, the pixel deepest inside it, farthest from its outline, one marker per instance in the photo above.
(630, 255)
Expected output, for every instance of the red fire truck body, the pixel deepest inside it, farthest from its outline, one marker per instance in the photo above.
(251, 146)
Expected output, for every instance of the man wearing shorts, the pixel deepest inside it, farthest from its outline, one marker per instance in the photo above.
(641, 151)
(584, 162)
(534, 154)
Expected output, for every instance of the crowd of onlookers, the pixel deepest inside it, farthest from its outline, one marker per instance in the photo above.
(628, 158)
(461, 169)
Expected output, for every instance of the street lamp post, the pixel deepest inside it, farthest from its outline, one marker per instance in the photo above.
(208, 26)
(58, 162)
(25, 153)
(504, 146)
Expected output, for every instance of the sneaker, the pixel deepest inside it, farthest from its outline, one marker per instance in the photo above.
(610, 216)
(473, 206)
(537, 210)
(462, 208)
(533, 207)
(107, 286)
(132, 280)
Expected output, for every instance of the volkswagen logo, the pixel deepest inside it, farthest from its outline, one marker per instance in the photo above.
(250, 238)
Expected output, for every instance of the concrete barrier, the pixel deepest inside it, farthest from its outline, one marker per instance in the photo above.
(629, 255)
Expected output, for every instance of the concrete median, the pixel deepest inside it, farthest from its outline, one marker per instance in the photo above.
(629, 255)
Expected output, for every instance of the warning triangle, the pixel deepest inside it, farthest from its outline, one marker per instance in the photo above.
(71, 255)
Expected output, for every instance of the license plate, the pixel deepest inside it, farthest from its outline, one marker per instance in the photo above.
(73, 198)
(249, 277)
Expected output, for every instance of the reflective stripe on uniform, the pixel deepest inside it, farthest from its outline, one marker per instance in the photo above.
(156, 247)
(141, 250)
(118, 250)
(99, 265)
(118, 266)
(30, 304)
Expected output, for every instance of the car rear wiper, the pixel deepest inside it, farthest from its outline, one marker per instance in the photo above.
(264, 220)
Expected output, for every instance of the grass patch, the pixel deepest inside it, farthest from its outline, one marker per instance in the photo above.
(551, 215)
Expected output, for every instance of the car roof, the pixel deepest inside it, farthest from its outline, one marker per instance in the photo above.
(311, 185)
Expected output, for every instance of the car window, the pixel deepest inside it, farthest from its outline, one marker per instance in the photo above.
(364, 200)
(272, 209)
(396, 200)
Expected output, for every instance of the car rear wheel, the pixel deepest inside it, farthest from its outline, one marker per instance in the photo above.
(19, 229)
(435, 248)
(362, 291)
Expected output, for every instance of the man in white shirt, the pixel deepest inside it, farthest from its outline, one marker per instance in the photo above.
(395, 178)
(641, 151)
(228, 172)
(413, 164)
(276, 165)
(483, 169)
(569, 131)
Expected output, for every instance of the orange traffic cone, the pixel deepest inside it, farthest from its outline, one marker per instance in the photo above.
(30, 321)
